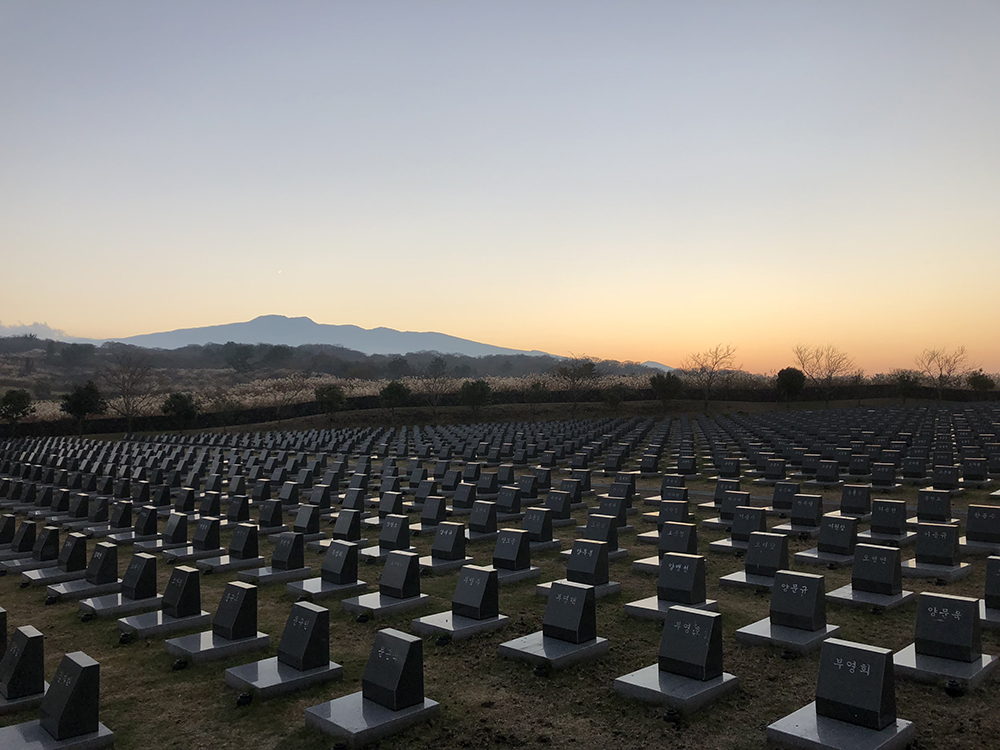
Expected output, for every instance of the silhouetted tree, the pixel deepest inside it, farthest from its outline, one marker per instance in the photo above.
(181, 406)
(980, 382)
(942, 368)
(331, 399)
(707, 369)
(666, 387)
(790, 383)
(394, 396)
(15, 405)
(83, 401)
(824, 366)
(475, 394)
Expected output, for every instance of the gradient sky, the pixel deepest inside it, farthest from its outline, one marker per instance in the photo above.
(630, 180)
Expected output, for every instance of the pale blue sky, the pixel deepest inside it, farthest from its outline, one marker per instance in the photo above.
(628, 180)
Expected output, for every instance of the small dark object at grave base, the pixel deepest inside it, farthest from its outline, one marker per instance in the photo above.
(739, 554)
(51, 600)
(24, 584)
(804, 535)
(876, 610)
(789, 655)
(425, 572)
(362, 618)
(672, 715)
(125, 639)
(179, 665)
(954, 688)
(940, 582)
(86, 617)
(340, 746)
(443, 640)
(369, 561)
(244, 699)
(762, 591)
(541, 670)
(782, 515)
(207, 572)
(832, 566)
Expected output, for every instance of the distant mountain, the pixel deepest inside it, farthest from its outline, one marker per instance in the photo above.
(278, 329)
(658, 366)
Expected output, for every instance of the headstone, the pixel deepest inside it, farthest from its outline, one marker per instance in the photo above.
(856, 684)
(72, 703)
(807, 510)
(103, 566)
(483, 519)
(401, 575)
(588, 563)
(538, 523)
(236, 616)
(798, 600)
(838, 534)
(691, 644)
(394, 675)
(571, 613)
(340, 563)
(476, 593)
(877, 570)
(182, 596)
(937, 544)
(289, 552)
(766, 554)
(395, 533)
(678, 537)
(305, 641)
(948, 627)
(888, 517)
(513, 550)
(347, 526)
(449, 541)
(139, 581)
(244, 543)
(22, 669)
(855, 499)
(681, 578)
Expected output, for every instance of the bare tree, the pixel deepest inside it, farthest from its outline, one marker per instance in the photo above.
(129, 375)
(576, 373)
(824, 366)
(708, 369)
(942, 368)
(436, 382)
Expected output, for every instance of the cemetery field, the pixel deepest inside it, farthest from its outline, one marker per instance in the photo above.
(489, 702)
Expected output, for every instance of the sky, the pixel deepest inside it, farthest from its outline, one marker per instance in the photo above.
(628, 180)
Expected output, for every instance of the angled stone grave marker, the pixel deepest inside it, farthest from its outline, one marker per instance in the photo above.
(303, 657)
(937, 554)
(338, 575)
(234, 629)
(746, 521)
(393, 536)
(101, 577)
(287, 563)
(797, 620)
(512, 557)
(138, 592)
(673, 537)
(688, 674)
(766, 554)
(538, 523)
(399, 589)
(982, 535)
(22, 671)
(855, 704)
(838, 535)
(681, 581)
(948, 644)
(180, 608)
(174, 535)
(205, 543)
(876, 579)
(243, 553)
(888, 525)
(391, 698)
(587, 564)
(569, 631)
(805, 517)
(447, 549)
(474, 607)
